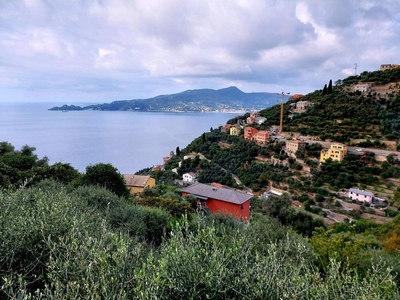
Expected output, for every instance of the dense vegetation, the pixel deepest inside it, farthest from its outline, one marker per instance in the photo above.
(87, 243)
(341, 114)
(73, 239)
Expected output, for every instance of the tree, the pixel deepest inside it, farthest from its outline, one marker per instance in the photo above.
(324, 91)
(204, 137)
(6, 148)
(62, 172)
(107, 176)
(330, 87)
(178, 151)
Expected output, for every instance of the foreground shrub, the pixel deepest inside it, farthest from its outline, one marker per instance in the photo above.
(199, 265)
(53, 245)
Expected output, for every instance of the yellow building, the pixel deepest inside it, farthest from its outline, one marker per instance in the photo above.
(234, 131)
(336, 152)
(137, 183)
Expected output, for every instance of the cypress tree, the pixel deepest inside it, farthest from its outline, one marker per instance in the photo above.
(324, 91)
(330, 87)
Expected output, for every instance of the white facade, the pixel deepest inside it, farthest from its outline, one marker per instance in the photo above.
(260, 120)
(189, 177)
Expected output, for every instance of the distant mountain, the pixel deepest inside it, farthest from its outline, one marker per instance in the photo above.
(203, 100)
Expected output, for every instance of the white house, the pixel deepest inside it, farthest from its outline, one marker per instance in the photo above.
(360, 195)
(189, 177)
(260, 120)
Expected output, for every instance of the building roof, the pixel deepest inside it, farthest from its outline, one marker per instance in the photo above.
(296, 141)
(362, 192)
(191, 174)
(218, 193)
(136, 180)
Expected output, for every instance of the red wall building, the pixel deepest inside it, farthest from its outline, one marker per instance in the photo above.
(221, 200)
(249, 133)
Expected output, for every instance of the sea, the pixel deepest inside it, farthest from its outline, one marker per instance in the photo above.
(128, 140)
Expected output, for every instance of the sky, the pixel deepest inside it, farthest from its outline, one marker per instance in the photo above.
(91, 51)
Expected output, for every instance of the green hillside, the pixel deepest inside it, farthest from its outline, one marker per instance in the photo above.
(342, 114)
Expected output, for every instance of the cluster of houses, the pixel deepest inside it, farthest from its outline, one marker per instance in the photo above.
(336, 151)
(219, 199)
(213, 198)
(250, 133)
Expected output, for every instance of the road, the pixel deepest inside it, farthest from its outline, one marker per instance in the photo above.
(378, 152)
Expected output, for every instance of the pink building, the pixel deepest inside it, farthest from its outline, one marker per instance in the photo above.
(360, 195)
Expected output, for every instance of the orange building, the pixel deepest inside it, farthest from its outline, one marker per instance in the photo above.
(261, 137)
(249, 133)
(221, 200)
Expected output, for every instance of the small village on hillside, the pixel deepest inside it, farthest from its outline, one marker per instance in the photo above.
(371, 203)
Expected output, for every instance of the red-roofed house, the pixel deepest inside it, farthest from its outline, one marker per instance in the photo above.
(221, 200)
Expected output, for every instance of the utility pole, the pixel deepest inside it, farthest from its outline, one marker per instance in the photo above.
(282, 101)
(355, 69)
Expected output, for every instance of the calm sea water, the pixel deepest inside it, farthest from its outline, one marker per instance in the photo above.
(130, 141)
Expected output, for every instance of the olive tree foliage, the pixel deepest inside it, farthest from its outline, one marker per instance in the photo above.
(106, 175)
(57, 244)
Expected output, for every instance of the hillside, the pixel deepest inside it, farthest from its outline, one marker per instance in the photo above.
(340, 113)
(201, 100)
(345, 113)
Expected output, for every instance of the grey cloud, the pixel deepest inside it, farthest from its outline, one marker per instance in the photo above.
(117, 49)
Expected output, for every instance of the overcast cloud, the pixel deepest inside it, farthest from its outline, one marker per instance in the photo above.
(100, 51)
